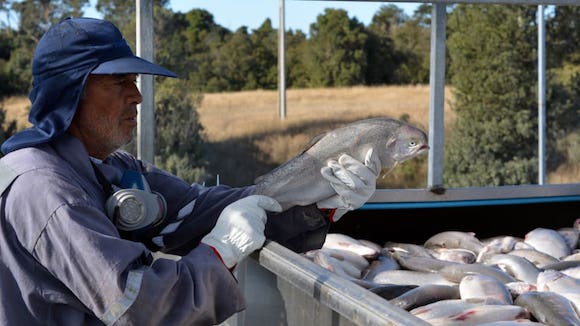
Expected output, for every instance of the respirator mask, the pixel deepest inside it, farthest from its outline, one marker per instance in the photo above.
(133, 205)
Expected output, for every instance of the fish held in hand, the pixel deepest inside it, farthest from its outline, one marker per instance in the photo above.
(299, 181)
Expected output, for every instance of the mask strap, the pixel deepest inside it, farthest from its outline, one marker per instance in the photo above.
(105, 184)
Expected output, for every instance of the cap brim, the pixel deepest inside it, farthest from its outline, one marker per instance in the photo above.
(131, 65)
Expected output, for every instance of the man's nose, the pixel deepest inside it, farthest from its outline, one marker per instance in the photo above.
(136, 96)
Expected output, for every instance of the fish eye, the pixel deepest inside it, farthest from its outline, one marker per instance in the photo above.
(412, 143)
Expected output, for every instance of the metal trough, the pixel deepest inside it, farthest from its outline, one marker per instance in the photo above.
(285, 288)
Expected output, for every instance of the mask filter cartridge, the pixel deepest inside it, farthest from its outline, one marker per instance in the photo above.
(134, 206)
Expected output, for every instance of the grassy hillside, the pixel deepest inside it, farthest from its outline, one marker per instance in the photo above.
(246, 137)
(17, 109)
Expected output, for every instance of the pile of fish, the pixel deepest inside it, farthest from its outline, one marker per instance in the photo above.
(455, 278)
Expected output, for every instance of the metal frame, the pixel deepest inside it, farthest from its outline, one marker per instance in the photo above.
(437, 94)
(146, 110)
(437, 78)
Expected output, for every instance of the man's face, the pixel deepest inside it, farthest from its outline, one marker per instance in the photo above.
(107, 113)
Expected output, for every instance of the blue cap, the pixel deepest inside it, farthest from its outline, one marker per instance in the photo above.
(64, 57)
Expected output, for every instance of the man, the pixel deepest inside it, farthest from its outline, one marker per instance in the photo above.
(81, 221)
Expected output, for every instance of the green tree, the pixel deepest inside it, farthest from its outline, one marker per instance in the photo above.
(382, 58)
(494, 139)
(336, 53)
(235, 63)
(123, 15)
(563, 130)
(296, 70)
(6, 48)
(412, 47)
(563, 34)
(172, 48)
(197, 45)
(116, 11)
(178, 139)
(265, 53)
(34, 18)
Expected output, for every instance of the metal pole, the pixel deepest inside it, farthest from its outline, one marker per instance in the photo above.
(437, 95)
(281, 63)
(541, 95)
(146, 114)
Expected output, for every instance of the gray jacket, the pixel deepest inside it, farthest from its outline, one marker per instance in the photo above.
(63, 262)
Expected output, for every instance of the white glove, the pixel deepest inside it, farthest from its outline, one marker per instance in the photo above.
(353, 181)
(239, 229)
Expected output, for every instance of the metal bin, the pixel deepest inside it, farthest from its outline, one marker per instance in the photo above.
(285, 288)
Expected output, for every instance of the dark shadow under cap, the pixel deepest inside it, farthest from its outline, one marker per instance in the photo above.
(64, 57)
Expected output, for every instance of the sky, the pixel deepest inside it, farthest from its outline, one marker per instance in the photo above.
(233, 14)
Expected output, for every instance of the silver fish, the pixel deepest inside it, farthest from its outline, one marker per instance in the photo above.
(444, 308)
(574, 256)
(561, 265)
(549, 307)
(482, 314)
(518, 287)
(408, 248)
(347, 256)
(424, 295)
(348, 243)
(420, 264)
(537, 258)
(404, 276)
(455, 239)
(571, 235)
(573, 297)
(455, 272)
(455, 255)
(518, 267)
(556, 281)
(497, 245)
(371, 244)
(548, 241)
(299, 181)
(335, 265)
(572, 272)
(382, 263)
(479, 286)
(517, 322)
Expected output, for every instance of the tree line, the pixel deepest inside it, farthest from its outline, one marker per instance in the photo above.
(341, 51)
(491, 65)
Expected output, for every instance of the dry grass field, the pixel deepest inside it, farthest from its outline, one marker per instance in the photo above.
(251, 120)
(17, 109)
(247, 138)
(256, 111)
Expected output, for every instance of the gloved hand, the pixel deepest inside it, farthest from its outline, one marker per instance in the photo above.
(353, 181)
(240, 228)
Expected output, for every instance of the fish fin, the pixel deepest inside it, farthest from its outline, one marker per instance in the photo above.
(390, 170)
(313, 141)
